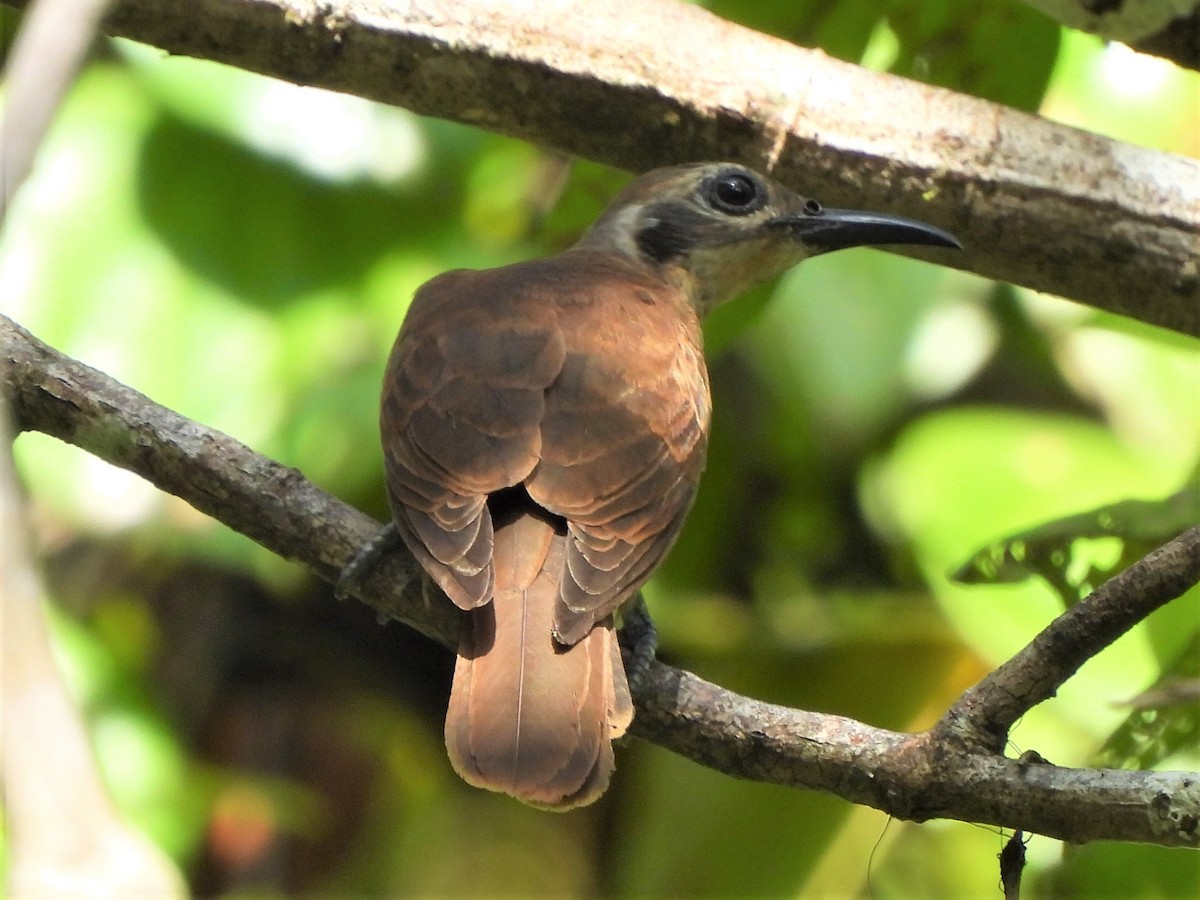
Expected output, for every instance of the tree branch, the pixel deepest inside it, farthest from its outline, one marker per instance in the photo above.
(48, 773)
(271, 504)
(53, 42)
(1052, 208)
(985, 713)
(940, 773)
(1166, 28)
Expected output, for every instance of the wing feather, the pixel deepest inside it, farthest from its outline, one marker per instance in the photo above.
(623, 441)
(463, 401)
(579, 377)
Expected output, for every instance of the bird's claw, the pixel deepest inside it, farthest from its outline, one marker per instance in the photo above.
(387, 538)
(639, 641)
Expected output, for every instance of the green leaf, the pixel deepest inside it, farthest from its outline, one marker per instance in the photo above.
(1163, 720)
(841, 29)
(971, 47)
(1057, 551)
(955, 479)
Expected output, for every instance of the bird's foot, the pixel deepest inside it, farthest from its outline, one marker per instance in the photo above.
(387, 539)
(639, 641)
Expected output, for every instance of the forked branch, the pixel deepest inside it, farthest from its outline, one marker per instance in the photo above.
(955, 770)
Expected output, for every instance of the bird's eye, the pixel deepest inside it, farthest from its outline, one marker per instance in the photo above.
(736, 193)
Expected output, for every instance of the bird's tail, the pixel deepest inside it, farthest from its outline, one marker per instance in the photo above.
(529, 716)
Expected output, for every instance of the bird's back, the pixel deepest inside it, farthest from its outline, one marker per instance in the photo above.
(576, 376)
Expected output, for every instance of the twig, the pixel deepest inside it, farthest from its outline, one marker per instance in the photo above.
(47, 53)
(987, 711)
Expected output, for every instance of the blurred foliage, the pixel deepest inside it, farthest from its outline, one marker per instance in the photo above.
(243, 251)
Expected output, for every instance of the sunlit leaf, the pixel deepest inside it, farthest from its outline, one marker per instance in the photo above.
(841, 29)
(1163, 719)
(972, 47)
(956, 479)
(1053, 550)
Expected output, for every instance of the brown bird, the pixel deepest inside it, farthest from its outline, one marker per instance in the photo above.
(544, 428)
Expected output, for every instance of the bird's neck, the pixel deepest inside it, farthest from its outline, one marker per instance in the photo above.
(613, 236)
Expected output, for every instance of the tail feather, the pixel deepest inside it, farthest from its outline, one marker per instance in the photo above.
(529, 716)
(620, 702)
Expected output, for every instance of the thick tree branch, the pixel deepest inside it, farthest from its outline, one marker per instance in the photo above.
(650, 82)
(210, 470)
(940, 773)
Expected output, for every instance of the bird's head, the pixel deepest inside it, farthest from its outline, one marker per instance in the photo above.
(720, 228)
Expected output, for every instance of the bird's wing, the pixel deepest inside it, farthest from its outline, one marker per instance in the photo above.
(581, 379)
(623, 440)
(463, 399)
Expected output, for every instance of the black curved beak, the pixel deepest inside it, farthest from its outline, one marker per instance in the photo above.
(836, 229)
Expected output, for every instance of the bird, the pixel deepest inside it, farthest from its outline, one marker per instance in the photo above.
(544, 427)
